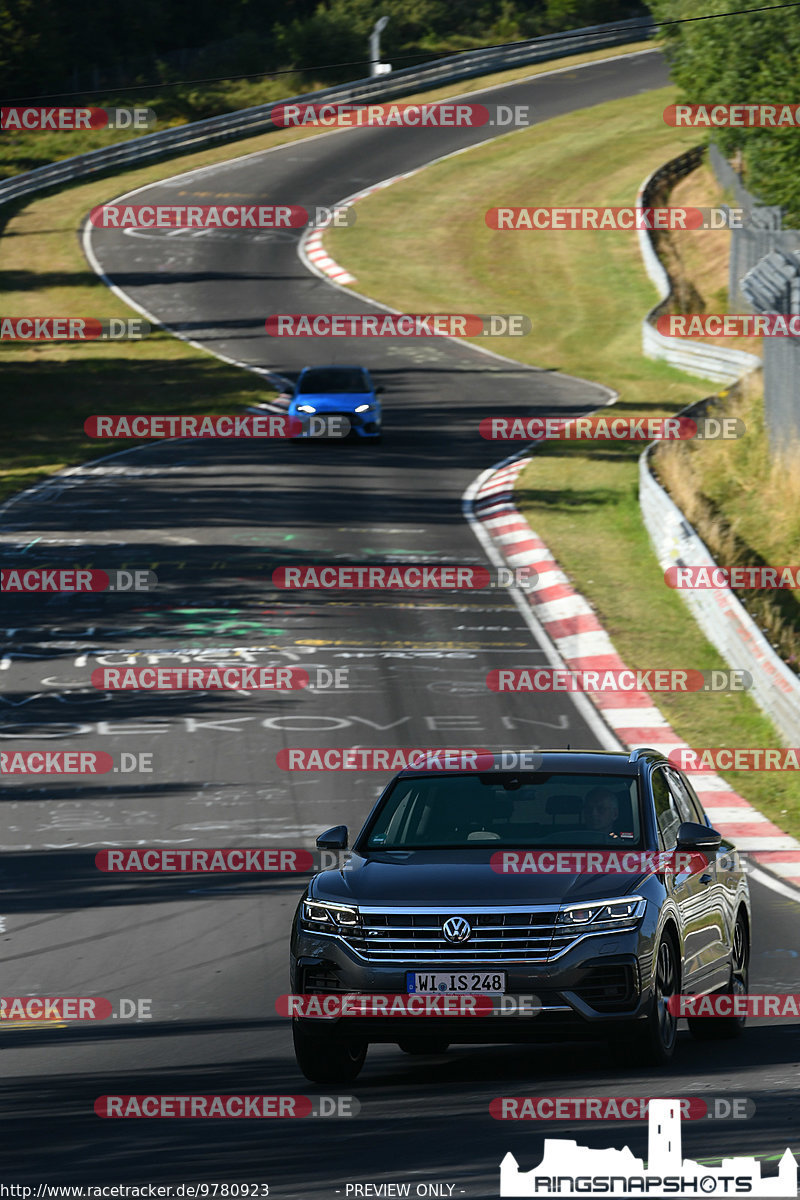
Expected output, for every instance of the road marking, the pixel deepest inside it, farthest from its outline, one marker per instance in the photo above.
(423, 649)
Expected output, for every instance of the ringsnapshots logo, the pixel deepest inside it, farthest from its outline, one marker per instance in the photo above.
(398, 325)
(567, 217)
(571, 1170)
(609, 429)
(70, 120)
(73, 329)
(440, 115)
(60, 580)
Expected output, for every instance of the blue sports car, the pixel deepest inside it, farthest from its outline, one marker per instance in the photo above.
(337, 391)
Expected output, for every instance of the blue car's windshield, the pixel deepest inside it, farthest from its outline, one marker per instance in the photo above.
(338, 381)
(503, 809)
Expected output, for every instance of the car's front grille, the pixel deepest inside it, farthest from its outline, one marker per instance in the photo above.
(497, 935)
(353, 418)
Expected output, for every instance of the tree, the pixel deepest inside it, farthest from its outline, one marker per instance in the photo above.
(749, 59)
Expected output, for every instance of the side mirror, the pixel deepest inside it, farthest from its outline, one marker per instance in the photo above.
(333, 839)
(379, 389)
(693, 836)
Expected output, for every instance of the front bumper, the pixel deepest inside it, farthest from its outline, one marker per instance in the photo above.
(593, 991)
(361, 425)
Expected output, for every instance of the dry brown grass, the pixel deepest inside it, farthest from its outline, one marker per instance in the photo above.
(697, 259)
(745, 505)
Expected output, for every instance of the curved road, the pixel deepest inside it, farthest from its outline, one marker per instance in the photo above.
(213, 520)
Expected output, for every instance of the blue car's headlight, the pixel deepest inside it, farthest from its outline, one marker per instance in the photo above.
(309, 408)
(363, 408)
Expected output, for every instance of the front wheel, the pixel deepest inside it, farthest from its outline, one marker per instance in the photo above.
(712, 1029)
(325, 1059)
(651, 1042)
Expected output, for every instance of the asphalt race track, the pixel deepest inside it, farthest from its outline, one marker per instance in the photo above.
(213, 520)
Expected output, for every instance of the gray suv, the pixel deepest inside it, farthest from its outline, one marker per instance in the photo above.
(432, 903)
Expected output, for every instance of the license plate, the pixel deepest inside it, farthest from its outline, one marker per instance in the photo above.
(432, 983)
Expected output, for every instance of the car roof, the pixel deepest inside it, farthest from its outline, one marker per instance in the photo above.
(599, 762)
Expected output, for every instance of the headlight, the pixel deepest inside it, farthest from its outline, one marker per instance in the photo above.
(363, 408)
(309, 408)
(328, 916)
(626, 912)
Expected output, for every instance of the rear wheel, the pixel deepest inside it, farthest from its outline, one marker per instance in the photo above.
(711, 1029)
(423, 1045)
(325, 1059)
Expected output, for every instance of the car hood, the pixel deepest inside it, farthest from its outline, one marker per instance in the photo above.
(421, 878)
(341, 402)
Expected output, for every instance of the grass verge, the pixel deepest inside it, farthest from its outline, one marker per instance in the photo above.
(50, 388)
(745, 505)
(586, 293)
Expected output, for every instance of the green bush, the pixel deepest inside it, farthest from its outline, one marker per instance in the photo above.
(753, 58)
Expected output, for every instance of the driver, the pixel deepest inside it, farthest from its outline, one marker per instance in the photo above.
(601, 811)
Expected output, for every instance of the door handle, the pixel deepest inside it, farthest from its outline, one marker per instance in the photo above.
(706, 878)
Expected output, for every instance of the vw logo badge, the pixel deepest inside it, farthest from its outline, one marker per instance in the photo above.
(457, 929)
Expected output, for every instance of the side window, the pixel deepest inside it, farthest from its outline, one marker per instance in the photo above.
(667, 814)
(696, 804)
(686, 802)
(389, 824)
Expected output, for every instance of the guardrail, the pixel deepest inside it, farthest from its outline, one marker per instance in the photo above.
(773, 286)
(720, 615)
(251, 121)
(696, 358)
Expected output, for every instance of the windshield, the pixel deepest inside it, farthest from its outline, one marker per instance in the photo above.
(338, 380)
(505, 809)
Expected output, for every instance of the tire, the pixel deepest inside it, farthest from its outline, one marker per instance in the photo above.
(713, 1029)
(324, 1059)
(423, 1045)
(652, 1041)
